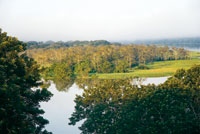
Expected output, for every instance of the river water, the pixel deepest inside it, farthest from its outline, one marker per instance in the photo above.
(61, 106)
(193, 49)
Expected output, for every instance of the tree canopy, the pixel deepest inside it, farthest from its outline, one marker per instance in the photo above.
(20, 111)
(51, 44)
(118, 106)
(176, 42)
(85, 60)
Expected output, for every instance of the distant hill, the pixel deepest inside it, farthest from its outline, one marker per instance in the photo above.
(177, 42)
(52, 44)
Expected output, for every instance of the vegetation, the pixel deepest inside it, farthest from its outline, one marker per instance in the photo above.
(81, 61)
(154, 69)
(59, 44)
(111, 106)
(194, 54)
(19, 96)
(118, 106)
(177, 42)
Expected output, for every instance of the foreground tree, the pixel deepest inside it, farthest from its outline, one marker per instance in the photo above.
(117, 106)
(20, 111)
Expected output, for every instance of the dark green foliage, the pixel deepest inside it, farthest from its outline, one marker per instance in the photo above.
(142, 66)
(48, 72)
(117, 106)
(121, 66)
(63, 84)
(63, 71)
(83, 68)
(62, 75)
(105, 67)
(19, 103)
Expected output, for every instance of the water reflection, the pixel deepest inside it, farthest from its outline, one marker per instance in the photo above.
(63, 84)
(59, 109)
(192, 49)
(118, 106)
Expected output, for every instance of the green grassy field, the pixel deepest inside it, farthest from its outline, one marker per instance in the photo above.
(194, 54)
(156, 69)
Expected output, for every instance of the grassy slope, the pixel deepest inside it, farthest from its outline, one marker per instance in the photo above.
(156, 69)
(194, 54)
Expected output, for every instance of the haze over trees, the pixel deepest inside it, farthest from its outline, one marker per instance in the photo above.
(52, 44)
(176, 42)
(20, 111)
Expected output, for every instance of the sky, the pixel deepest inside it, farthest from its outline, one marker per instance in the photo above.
(112, 20)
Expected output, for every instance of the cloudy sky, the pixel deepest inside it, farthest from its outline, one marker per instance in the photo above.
(112, 20)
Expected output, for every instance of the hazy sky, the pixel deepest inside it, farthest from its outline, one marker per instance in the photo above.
(56, 20)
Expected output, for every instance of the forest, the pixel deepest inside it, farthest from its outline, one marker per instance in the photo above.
(84, 60)
(121, 107)
(115, 106)
(175, 42)
(99, 66)
(58, 44)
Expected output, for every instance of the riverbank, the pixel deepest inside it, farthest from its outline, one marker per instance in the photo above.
(194, 54)
(155, 69)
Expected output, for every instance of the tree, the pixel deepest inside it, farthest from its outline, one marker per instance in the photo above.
(121, 66)
(83, 68)
(106, 67)
(63, 71)
(20, 111)
(63, 84)
(117, 106)
(105, 58)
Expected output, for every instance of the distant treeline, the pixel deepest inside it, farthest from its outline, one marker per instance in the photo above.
(103, 58)
(177, 42)
(52, 44)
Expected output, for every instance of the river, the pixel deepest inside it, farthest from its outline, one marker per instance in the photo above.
(193, 49)
(61, 106)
